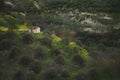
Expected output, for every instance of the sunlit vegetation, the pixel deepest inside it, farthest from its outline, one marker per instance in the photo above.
(77, 40)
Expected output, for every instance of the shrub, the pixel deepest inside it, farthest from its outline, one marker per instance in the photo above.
(24, 75)
(102, 46)
(80, 76)
(65, 74)
(56, 52)
(27, 38)
(65, 41)
(1, 35)
(46, 41)
(95, 54)
(53, 73)
(50, 74)
(1, 73)
(36, 67)
(39, 53)
(25, 61)
(30, 75)
(51, 64)
(60, 60)
(6, 44)
(9, 35)
(14, 53)
(78, 60)
(92, 74)
(19, 76)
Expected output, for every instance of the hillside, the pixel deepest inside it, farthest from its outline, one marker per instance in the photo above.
(59, 40)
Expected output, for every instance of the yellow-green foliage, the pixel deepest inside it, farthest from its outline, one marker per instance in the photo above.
(38, 35)
(56, 38)
(23, 26)
(2, 28)
(72, 46)
(81, 50)
(56, 41)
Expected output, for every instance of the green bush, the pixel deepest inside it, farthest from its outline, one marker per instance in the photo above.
(78, 60)
(19, 76)
(92, 74)
(50, 74)
(60, 60)
(56, 52)
(1, 74)
(6, 44)
(80, 76)
(46, 41)
(1, 35)
(27, 38)
(14, 53)
(30, 75)
(24, 75)
(36, 67)
(9, 35)
(54, 72)
(25, 61)
(65, 74)
(39, 53)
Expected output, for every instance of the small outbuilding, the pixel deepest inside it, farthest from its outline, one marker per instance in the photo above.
(34, 29)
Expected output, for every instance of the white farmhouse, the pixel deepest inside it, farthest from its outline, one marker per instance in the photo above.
(34, 29)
